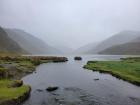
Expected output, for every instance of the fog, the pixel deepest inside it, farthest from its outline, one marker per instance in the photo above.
(71, 23)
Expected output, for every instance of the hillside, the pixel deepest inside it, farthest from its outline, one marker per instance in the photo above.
(7, 45)
(117, 39)
(30, 43)
(123, 49)
(131, 48)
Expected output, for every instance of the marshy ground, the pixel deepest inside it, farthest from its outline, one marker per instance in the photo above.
(127, 69)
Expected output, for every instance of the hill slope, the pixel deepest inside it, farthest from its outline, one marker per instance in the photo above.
(30, 43)
(123, 49)
(7, 44)
(131, 48)
(120, 38)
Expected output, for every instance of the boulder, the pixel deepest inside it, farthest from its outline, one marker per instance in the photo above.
(77, 58)
(96, 79)
(50, 89)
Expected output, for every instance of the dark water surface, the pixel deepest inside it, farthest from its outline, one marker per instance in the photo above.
(77, 85)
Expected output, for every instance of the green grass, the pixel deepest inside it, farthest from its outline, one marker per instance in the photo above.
(22, 66)
(10, 83)
(15, 67)
(7, 91)
(127, 69)
(25, 66)
(11, 89)
(13, 93)
(6, 83)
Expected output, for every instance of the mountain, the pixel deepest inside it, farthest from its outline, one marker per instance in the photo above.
(131, 48)
(123, 49)
(117, 39)
(7, 45)
(86, 49)
(30, 43)
(136, 40)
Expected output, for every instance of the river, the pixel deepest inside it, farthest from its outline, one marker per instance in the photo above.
(77, 85)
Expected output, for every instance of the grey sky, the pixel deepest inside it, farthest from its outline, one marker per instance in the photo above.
(71, 23)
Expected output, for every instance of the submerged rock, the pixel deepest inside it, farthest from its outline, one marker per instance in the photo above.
(50, 89)
(96, 79)
(39, 90)
(63, 96)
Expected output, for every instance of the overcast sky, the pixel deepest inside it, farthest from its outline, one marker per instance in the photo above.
(71, 23)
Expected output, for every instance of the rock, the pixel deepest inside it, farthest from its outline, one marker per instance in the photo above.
(96, 79)
(50, 89)
(77, 58)
(39, 90)
(56, 99)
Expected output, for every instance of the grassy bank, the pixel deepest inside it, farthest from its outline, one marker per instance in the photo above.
(127, 69)
(19, 66)
(12, 91)
(15, 68)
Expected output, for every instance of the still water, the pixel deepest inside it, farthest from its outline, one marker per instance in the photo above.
(77, 85)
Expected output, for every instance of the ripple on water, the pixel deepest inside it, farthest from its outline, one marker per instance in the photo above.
(63, 96)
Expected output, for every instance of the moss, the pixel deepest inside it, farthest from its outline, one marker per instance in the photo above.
(12, 90)
(36, 62)
(3, 72)
(13, 93)
(10, 83)
(14, 96)
(16, 67)
(127, 69)
(25, 65)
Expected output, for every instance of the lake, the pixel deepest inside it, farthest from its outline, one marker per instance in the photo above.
(78, 86)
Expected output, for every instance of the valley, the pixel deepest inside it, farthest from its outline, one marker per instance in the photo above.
(69, 52)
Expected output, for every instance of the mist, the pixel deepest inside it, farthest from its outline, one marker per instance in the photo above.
(71, 23)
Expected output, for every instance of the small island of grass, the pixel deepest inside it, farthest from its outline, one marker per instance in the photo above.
(13, 92)
(127, 69)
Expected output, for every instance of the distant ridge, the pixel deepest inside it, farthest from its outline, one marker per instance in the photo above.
(123, 49)
(30, 43)
(130, 48)
(120, 38)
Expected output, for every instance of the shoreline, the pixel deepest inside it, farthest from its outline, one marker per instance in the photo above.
(13, 68)
(17, 100)
(123, 69)
(114, 75)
